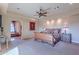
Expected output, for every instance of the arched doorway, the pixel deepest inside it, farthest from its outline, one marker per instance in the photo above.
(15, 29)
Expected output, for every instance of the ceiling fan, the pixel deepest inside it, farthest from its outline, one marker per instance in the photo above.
(42, 12)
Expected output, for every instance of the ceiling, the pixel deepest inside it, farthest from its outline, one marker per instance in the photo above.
(3, 8)
(29, 9)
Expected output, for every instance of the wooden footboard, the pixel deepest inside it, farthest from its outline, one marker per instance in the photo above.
(44, 37)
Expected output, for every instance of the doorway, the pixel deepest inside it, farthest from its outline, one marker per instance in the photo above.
(15, 29)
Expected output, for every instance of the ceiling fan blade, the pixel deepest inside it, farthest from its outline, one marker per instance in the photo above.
(45, 13)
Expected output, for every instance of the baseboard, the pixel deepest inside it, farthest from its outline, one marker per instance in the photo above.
(28, 38)
(75, 43)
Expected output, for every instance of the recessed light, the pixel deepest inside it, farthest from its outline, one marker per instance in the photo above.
(48, 22)
(18, 8)
(52, 21)
(59, 21)
(57, 6)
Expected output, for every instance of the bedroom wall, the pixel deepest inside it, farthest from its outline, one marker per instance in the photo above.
(3, 12)
(72, 23)
(26, 33)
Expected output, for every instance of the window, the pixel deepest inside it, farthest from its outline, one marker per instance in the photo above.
(12, 28)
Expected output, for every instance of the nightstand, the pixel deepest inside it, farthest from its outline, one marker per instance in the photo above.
(66, 37)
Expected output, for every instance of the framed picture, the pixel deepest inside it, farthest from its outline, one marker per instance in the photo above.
(32, 25)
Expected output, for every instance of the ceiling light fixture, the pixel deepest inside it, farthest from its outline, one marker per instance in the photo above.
(59, 21)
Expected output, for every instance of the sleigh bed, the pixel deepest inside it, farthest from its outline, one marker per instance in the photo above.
(51, 36)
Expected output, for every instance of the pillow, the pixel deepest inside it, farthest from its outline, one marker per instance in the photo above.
(56, 33)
